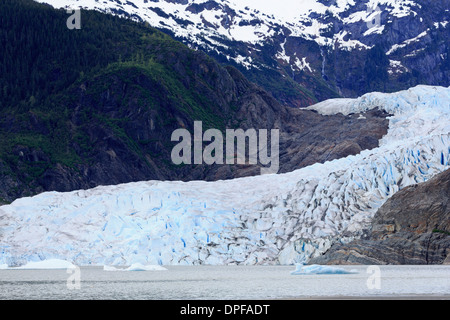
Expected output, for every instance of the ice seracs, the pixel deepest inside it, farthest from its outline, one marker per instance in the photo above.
(271, 219)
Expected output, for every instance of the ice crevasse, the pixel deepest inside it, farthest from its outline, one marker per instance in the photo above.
(270, 219)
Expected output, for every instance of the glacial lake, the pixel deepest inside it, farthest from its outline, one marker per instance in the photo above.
(225, 283)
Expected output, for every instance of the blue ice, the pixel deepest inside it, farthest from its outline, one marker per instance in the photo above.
(318, 269)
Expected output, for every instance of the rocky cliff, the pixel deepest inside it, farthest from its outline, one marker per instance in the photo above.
(413, 227)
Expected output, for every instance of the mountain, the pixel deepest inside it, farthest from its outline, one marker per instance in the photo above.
(303, 52)
(412, 227)
(87, 115)
(98, 106)
(266, 219)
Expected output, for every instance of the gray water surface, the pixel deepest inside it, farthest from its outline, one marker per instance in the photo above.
(224, 283)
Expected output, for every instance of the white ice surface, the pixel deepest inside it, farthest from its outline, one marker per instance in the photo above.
(286, 218)
(44, 265)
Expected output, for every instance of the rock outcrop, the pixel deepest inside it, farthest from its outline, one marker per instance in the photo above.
(413, 227)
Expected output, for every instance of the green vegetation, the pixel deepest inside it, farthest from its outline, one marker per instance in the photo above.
(441, 231)
(4, 202)
(39, 57)
(54, 83)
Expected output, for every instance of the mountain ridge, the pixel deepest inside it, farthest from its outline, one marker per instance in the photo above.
(310, 51)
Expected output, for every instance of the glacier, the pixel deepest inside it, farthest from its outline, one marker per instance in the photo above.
(270, 219)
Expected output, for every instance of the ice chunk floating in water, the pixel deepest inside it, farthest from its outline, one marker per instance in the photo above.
(271, 219)
(136, 267)
(317, 269)
(141, 267)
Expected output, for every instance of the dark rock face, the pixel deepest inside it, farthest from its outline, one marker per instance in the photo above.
(413, 227)
(138, 147)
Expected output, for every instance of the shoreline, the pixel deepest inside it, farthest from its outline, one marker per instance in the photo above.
(381, 297)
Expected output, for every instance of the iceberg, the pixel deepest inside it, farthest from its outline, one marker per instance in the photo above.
(136, 267)
(141, 267)
(318, 269)
(111, 268)
(270, 219)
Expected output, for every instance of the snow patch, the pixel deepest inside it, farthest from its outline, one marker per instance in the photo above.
(406, 43)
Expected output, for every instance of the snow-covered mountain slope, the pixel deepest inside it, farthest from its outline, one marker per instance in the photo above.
(252, 21)
(312, 42)
(267, 219)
